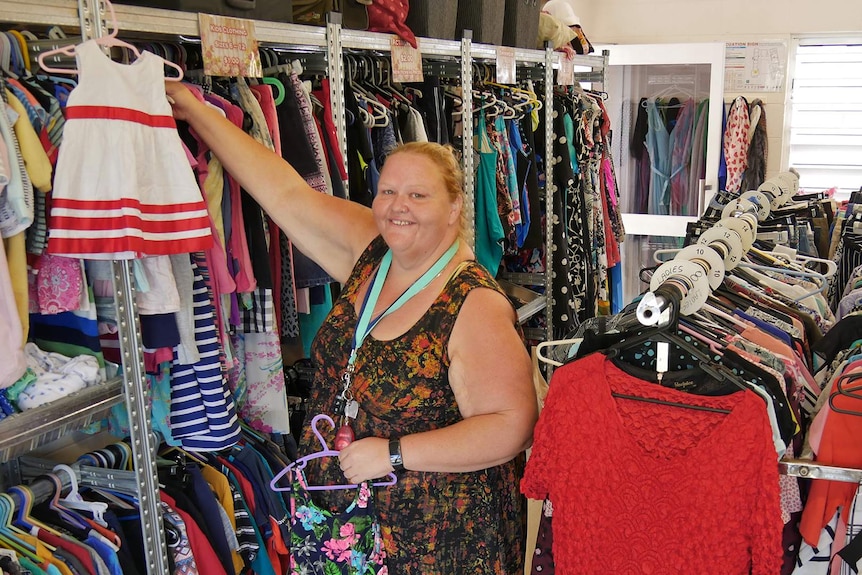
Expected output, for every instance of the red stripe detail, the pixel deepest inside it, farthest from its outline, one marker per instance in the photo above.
(135, 245)
(147, 226)
(95, 205)
(116, 113)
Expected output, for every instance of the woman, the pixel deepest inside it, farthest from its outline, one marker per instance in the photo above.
(440, 386)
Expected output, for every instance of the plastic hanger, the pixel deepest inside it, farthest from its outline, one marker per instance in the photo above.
(554, 343)
(822, 279)
(324, 452)
(9, 533)
(63, 512)
(840, 389)
(22, 517)
(73, 499)
(110, 40)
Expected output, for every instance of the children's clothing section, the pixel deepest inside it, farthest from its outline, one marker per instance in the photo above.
(220, 516)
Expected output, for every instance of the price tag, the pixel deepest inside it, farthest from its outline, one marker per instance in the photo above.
(661, 356)
(229, 47)
(406, 61)
(506, 73)
(566, 72)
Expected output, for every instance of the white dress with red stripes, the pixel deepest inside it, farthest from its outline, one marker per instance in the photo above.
(123, 186)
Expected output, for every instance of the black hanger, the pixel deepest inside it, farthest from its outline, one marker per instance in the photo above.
(699, 358)
(841, 388)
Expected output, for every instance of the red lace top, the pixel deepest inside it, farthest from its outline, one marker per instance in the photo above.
(640, 487)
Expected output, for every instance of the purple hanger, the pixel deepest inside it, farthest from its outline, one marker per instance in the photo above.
(324, 452)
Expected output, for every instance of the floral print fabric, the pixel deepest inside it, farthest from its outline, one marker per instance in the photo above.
(432, 523)
(324, 543)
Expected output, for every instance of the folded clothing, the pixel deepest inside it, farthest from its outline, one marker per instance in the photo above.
(56, 376)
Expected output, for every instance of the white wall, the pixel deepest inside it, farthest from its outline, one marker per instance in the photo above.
(667, 21)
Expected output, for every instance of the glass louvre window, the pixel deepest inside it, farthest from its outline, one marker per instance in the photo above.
(826, 115)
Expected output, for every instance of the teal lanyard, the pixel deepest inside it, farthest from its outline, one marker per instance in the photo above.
(366, 323)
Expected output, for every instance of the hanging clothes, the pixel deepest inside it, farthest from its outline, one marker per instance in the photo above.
(735, 144)
(107, 202)
(678, 482)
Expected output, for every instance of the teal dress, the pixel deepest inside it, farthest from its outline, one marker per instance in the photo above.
(489, 228)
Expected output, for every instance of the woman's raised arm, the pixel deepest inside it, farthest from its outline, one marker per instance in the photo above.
(331, 231)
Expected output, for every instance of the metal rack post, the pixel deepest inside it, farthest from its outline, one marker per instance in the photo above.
(467, 133)
(550, 190)
(335, 59)
(143, 442)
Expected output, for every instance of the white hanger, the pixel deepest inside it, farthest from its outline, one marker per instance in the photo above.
(554, 342)
(109, 40)
(73, 499)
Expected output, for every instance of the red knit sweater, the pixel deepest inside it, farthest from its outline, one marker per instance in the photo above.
(652, 489)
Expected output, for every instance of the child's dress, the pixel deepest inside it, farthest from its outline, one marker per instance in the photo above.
(123, 186)
(349, 543)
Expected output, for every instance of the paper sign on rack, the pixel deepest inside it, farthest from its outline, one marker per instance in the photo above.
(506, 73)
(229, 47)
(406, 61)
(566, 72)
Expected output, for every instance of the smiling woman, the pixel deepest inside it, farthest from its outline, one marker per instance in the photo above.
(420, 359)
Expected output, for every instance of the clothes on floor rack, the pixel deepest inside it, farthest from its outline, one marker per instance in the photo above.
(220, 515)
(753, 337)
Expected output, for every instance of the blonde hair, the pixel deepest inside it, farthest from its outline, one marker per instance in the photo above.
(449, 166)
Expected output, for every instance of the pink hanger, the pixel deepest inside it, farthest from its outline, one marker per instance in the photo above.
(109, 40)
(325, 452)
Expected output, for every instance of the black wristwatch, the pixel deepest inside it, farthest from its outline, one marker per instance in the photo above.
(395, 458)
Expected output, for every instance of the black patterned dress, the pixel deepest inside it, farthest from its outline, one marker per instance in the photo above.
(433, 523)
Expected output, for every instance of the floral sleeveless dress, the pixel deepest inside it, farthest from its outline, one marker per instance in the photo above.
(432, 523)
(324, 543)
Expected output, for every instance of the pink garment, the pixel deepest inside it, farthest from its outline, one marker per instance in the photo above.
(329, 126)
(736, 143)
(237, 247)
(59, 284)
(264, 96)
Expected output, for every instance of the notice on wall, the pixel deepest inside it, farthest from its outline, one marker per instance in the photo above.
(755, 66)
(406, 61)
(229, 47)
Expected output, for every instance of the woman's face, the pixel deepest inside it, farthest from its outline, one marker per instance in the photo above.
(413, 211)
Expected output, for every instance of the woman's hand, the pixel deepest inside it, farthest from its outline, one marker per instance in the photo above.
(181, 99)
(365, 459)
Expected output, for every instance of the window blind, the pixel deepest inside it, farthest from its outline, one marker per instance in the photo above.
(826, 115)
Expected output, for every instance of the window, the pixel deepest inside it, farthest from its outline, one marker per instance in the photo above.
(826, 115)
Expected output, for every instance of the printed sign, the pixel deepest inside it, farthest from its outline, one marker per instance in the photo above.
(754, 66)
(506, 73)
(229, 47)
(406, 61)
(566, 73)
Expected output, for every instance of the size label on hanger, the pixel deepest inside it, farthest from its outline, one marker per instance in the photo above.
(406, 61)
(506, 73)
(229, 47)
(566, 72)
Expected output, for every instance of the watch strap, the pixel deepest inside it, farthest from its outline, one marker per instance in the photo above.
(395, 458)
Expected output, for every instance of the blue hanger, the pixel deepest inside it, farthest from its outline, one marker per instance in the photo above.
(300, 464)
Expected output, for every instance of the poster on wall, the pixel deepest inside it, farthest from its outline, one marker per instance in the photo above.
(755, 66)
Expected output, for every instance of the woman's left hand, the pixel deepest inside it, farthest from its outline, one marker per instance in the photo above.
(365, 459)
